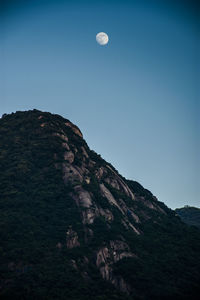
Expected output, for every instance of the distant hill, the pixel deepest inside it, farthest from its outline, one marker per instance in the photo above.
(73, 228)
(190, 215)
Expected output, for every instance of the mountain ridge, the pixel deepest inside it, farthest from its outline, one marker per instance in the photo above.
(190, 215)
(68, 211)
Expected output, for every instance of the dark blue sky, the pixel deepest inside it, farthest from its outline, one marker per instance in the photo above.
(135, 99)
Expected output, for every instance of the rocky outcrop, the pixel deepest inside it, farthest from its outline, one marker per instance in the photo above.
(83, 197)
(66, 146)
(74, 264)
(71, 174)
(151, 205)
(113, 182)
(81, 174)
(75, 129)
(121, 183)
(69, 156)
(62, 136)
(87, 179)
(72, 239)
(122, 208)
(75, 175)
(106, 213)
(128, 211)
(88, 216)
(107, 194)
(85, 152)
(99, 173)
(107, 256)
(83, 200)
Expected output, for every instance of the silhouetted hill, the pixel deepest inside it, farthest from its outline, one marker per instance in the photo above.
(190, 215)
(72, 227)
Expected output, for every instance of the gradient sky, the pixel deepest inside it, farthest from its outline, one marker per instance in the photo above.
(135, 99)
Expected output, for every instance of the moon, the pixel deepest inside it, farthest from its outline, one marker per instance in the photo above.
(102, 38)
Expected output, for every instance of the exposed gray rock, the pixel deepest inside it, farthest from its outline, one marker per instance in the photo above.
(74, 264)
(87, 179)
(91, 163)
(84, 199)
(135, 217)
(72, 239)
(88, 216)
(124, 186)
(62, 136)
(81, 170)
(113, 182)
(107, 256)
(107, 214)
(66, 146)
(69, 156)
(106, 193)
(85, 152)
(99, 173)
(128, 211)
(75, 129)
(151, 205)
(133, 227)
(70, 174)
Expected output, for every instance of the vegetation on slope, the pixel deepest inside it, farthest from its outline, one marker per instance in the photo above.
(37, 208)
(190, 215)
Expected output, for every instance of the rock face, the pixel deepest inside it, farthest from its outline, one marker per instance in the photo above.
(107, 256)
(72, 239)
(75, 129)
(66, 208)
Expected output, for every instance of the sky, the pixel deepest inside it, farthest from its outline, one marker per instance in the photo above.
(136, 99)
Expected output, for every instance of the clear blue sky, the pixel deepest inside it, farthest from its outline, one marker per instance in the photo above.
(135, 99)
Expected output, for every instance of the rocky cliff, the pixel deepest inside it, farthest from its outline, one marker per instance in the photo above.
(68, 214)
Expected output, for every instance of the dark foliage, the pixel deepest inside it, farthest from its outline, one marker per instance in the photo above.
(190, 215)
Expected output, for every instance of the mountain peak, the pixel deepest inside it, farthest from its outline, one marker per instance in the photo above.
(44, 118)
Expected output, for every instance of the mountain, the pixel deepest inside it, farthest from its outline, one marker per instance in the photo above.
(190, 215)
(72, 227)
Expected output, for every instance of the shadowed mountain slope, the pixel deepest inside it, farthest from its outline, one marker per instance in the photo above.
(73, 228)
(190, 215)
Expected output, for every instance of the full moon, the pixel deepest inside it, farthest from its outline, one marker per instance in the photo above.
(102, 38)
